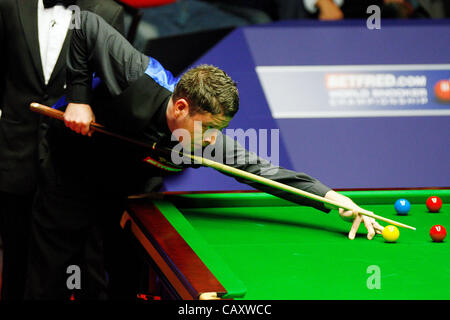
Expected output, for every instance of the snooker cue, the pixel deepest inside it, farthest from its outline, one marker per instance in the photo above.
(57, 114)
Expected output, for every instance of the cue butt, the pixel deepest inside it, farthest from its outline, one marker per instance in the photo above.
(46, 111)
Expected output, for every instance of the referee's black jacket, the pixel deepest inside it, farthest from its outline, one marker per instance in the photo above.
(132, 101)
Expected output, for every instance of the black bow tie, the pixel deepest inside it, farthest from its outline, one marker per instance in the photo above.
(52, 3)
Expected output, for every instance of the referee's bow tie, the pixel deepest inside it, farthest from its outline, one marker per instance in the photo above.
(52, 3)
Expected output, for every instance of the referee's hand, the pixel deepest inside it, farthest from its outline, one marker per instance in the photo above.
(78, 117)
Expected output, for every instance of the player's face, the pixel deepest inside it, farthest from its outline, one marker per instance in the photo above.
(203, 128)
(195, 130)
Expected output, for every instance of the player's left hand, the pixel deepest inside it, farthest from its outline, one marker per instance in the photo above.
(372, 226)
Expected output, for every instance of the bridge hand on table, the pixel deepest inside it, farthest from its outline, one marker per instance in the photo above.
(372, 226)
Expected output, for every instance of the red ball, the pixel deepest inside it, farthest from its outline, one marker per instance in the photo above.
(434, 204)
(442, 90)
(438, 233)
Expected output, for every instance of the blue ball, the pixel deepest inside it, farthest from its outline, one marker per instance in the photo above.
(402, 206)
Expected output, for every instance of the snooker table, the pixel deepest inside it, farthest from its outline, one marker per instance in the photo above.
(252, 245)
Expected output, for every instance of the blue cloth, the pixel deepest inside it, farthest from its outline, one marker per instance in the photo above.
(162, 76)
(62, 101)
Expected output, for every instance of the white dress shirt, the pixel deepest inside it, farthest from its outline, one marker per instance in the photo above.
(53, 24)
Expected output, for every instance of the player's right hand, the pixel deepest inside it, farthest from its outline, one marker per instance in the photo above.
(78, 117)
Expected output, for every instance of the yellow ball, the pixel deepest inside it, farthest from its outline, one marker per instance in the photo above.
(390, 233)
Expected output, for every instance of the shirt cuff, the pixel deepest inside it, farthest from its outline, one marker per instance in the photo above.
(318, 188)
(310, 5)
(79, 94)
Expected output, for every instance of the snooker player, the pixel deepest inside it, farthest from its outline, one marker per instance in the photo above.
(85, 178)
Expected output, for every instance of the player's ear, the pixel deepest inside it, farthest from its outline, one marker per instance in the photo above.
(181, 108)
